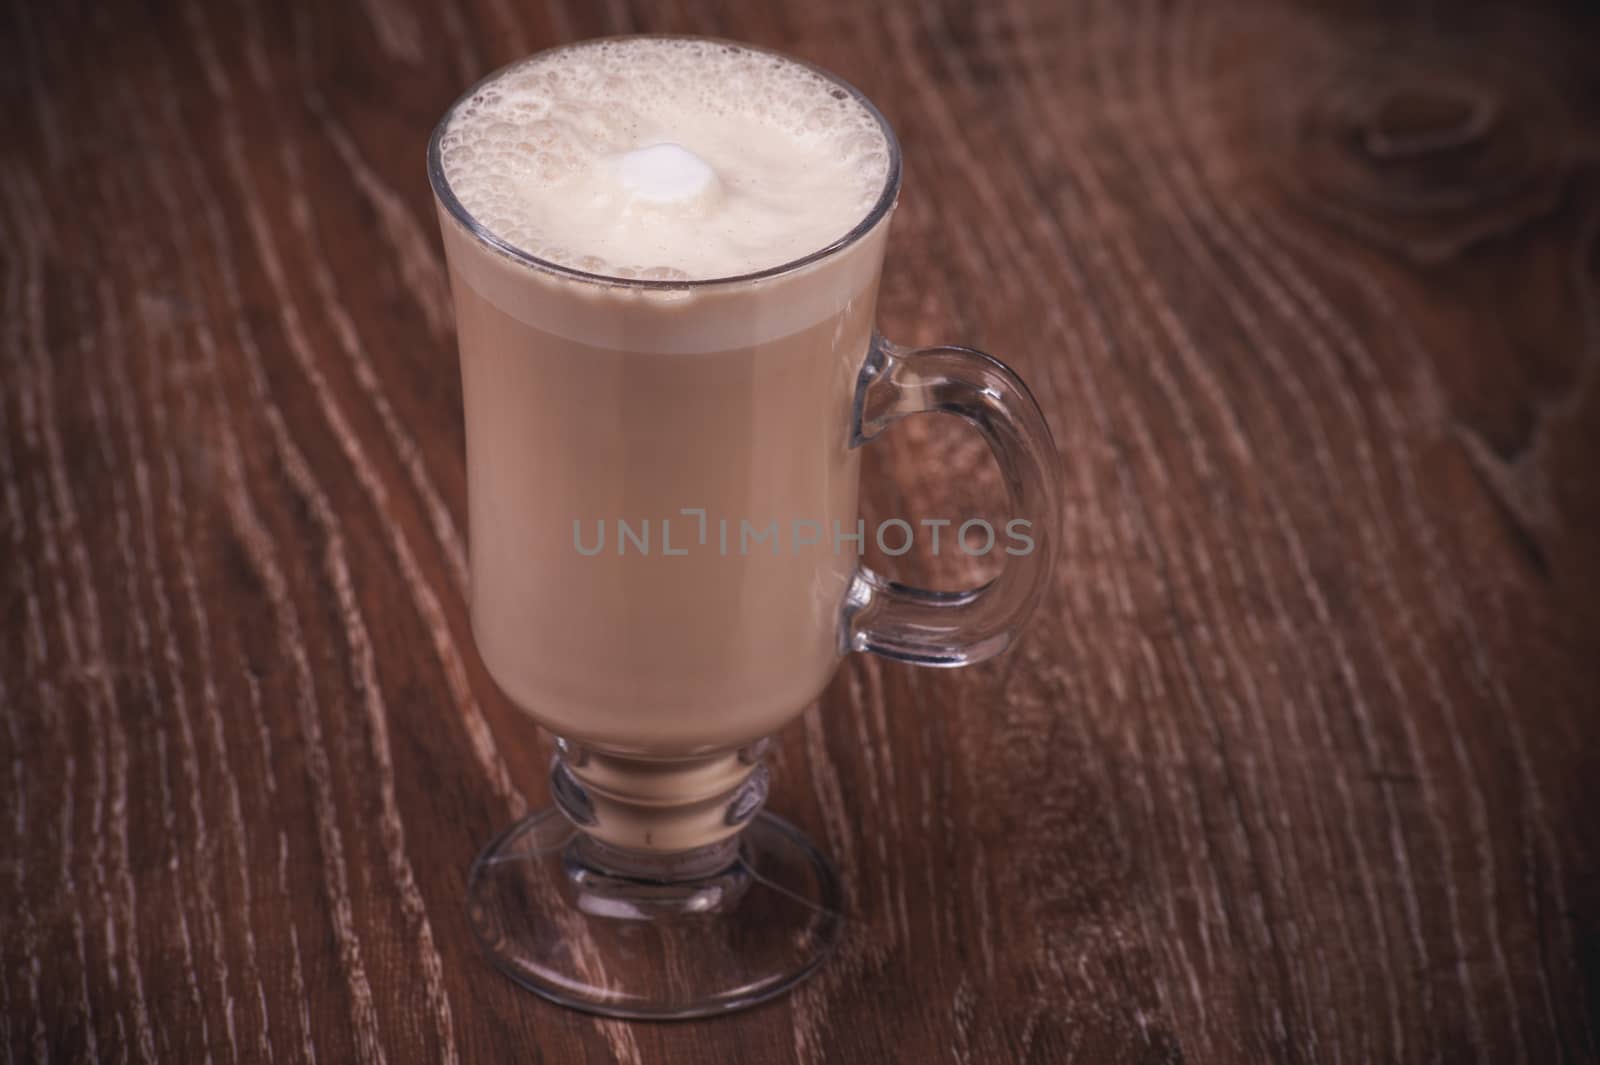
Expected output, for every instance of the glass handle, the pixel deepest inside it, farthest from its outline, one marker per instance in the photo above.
(932, 628)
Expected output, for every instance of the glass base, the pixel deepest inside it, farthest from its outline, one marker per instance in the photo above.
(655, 937)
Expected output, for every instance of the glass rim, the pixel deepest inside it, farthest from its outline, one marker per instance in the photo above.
(484, 235)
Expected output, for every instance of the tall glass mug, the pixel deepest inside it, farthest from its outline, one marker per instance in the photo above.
(665, 558)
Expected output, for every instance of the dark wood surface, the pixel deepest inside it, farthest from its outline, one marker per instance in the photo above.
(1298, 763)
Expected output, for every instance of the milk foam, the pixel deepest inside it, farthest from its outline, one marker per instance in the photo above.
(665, 158)
(666, 174)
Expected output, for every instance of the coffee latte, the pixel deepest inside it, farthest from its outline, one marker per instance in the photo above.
(610, 376)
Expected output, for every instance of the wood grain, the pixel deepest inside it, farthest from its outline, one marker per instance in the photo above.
(1296, 764)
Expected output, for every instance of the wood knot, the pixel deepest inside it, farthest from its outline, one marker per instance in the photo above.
(1412, 121)
(1427, 153)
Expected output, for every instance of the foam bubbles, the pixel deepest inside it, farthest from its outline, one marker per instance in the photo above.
(665, 158)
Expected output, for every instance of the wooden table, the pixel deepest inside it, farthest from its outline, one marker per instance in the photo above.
(1297, 764)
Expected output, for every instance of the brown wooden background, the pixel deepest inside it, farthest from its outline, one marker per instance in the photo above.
(1298, 764)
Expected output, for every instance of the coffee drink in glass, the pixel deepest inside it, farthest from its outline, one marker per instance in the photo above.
(664, 254)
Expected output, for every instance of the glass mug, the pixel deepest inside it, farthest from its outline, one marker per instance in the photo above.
(665, 570)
